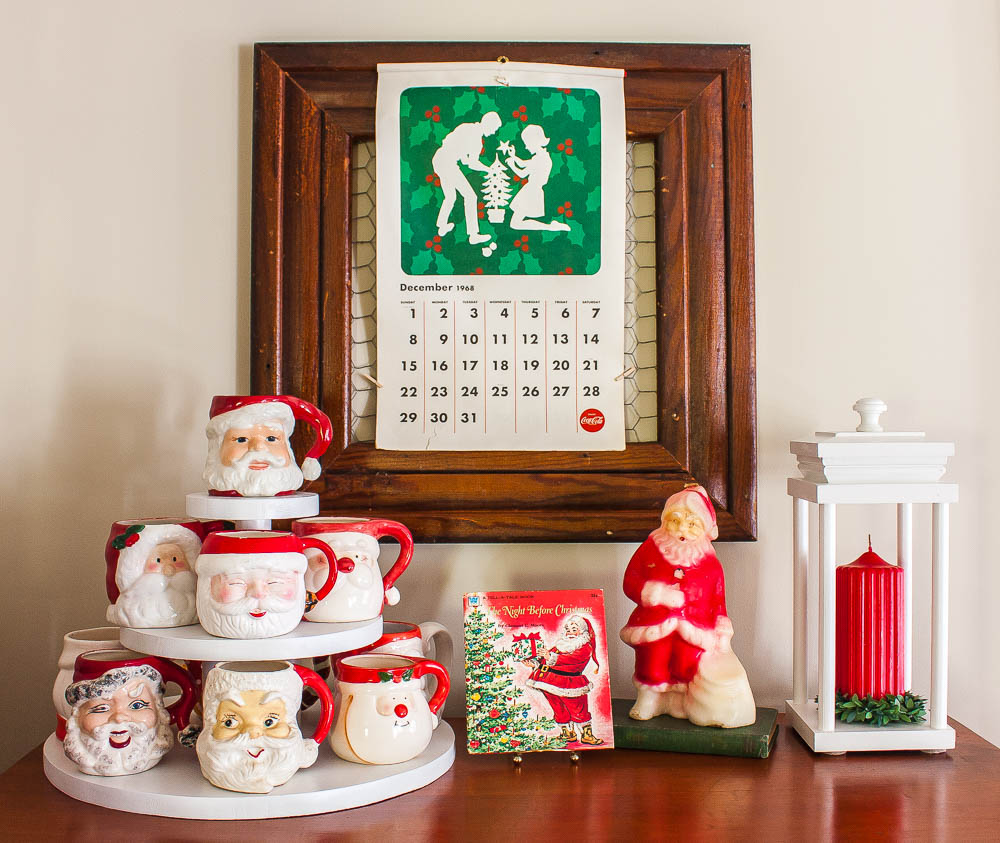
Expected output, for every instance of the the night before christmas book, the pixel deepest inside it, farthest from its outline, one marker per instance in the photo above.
(536, 671)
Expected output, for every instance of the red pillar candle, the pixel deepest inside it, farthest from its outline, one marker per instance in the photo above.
(870, 627)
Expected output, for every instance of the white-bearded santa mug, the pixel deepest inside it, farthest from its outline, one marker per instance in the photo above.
(251, 583)
(119, 723)
(251, 741)
(150, 578)
(249, 447)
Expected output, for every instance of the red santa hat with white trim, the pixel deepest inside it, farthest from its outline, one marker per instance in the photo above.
(241, 411)
(696, 499)
(582, 621)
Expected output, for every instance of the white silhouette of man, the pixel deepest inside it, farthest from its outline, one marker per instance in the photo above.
(462, 145)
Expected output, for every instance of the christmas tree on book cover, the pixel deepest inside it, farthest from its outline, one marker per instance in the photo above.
(500, 719)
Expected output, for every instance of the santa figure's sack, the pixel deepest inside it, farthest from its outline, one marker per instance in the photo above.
(719, 694)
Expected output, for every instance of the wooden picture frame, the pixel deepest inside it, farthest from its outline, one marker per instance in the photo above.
(312, 99)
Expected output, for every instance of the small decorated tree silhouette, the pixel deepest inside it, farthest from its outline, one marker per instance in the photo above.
(499, 717)
(496, 190)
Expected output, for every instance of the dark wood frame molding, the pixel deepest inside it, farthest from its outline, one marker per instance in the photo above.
(312, 99)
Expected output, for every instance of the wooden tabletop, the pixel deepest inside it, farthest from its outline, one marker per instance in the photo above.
(610, 795)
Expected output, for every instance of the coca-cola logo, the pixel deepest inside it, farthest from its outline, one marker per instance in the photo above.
(592, 420)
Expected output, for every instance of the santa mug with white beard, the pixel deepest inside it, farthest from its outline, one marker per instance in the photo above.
(119, 723)
(150, 581)
(251, 583)
(251, 741)
(361, 590)
(249, 447)
(383, 716)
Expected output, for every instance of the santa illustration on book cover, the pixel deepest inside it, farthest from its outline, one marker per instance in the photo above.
(537, 671)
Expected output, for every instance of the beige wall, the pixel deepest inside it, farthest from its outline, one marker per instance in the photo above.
(124, 150)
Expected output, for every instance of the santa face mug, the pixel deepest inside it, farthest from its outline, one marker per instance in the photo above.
(251, 742)
(383, 716)
(417, 641)
(150, 581)
(74, 643)
(119, 723)
(361, 589)
(249, 450)
(251, 583)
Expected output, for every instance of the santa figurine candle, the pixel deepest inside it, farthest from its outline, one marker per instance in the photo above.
(870, 627)
(684, 665)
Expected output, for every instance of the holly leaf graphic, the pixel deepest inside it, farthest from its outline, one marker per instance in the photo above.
(574, 167)
(439, 130)
(510, 261)
(557, 165)
(421, 196)
(421, 262)
(384, 677)
(404, 107)
(576, 234)
(576, 108)
(594, 199)
(593, 263)
(420, 132)
(552, 103)
(405, 171)
(405, 231)
(594, 135)
(464, 103)
(531, 264)
(442, 264)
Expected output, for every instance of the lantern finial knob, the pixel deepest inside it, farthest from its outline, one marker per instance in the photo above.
(869, 409)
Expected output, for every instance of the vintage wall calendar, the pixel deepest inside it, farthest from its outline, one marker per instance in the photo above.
(500, 257)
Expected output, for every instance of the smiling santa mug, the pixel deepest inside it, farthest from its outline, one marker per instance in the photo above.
(251, 741)
(251, 583)
(119, 723)
(383, 716)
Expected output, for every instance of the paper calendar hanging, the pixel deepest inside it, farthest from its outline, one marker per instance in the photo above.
(500, 257)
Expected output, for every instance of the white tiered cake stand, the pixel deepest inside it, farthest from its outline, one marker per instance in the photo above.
(175, 786)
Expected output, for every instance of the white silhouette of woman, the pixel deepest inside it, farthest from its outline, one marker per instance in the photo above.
(529, 203)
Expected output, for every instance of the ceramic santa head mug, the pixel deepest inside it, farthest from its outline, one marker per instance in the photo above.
(383, 715)
(251, 583)
(119, 723)
(150, 581)
(251, 742)
(361, 589)
(249, 452)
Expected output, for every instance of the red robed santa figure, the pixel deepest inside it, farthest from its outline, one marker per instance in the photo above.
(559, 674)
(681, 633)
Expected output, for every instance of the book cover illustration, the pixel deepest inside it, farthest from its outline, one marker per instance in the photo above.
(536, 671)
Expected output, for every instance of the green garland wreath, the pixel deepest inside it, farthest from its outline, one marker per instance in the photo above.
(892, 708)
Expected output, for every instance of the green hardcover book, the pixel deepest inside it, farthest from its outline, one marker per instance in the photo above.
(668, 734)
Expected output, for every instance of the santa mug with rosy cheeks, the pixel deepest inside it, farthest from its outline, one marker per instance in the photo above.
(119, 723)
(75, 643)
(249, 450)
(361, 590)
(383, 716)
(251, 742)
(150, 581)
(251, 583)
(418, 641)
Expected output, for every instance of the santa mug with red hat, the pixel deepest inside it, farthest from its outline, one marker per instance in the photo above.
(680, 630)
(251, 583)
(150, 581)
(249, 448)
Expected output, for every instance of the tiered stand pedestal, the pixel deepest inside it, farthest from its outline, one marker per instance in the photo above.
(175, 786)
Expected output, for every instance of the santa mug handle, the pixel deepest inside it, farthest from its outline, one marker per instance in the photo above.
(91, 665)
(394, 530)
(437, 670)
(313, 598)
(311, 679)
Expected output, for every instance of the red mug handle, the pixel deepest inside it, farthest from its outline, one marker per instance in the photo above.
(425, 666)
(397, 531)
(331, 570)
(180, 711)
(311, 679)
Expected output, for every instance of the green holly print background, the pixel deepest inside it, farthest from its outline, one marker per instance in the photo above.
(559, 231)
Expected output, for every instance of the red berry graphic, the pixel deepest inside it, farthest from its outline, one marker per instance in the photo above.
(517, 243)
(479, 270)
(522, 109)
(436, 109)
(569, 213)
(481, 90)
(482, 215)
(560, 209)
(514, 114)
(430, 177)
(524, 238)
(437, 238)
(568, 204)
(569, 150)
(437, 247)
(560, 146)
(131, 540)
(569, 141)
(428, 244)
(480, 205)
(437, 181)
(524, 118)
(427, 114)
(569, 270)
(437, 118)
(525, 247)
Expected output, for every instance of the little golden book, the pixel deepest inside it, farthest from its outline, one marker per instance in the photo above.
(536, 671)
